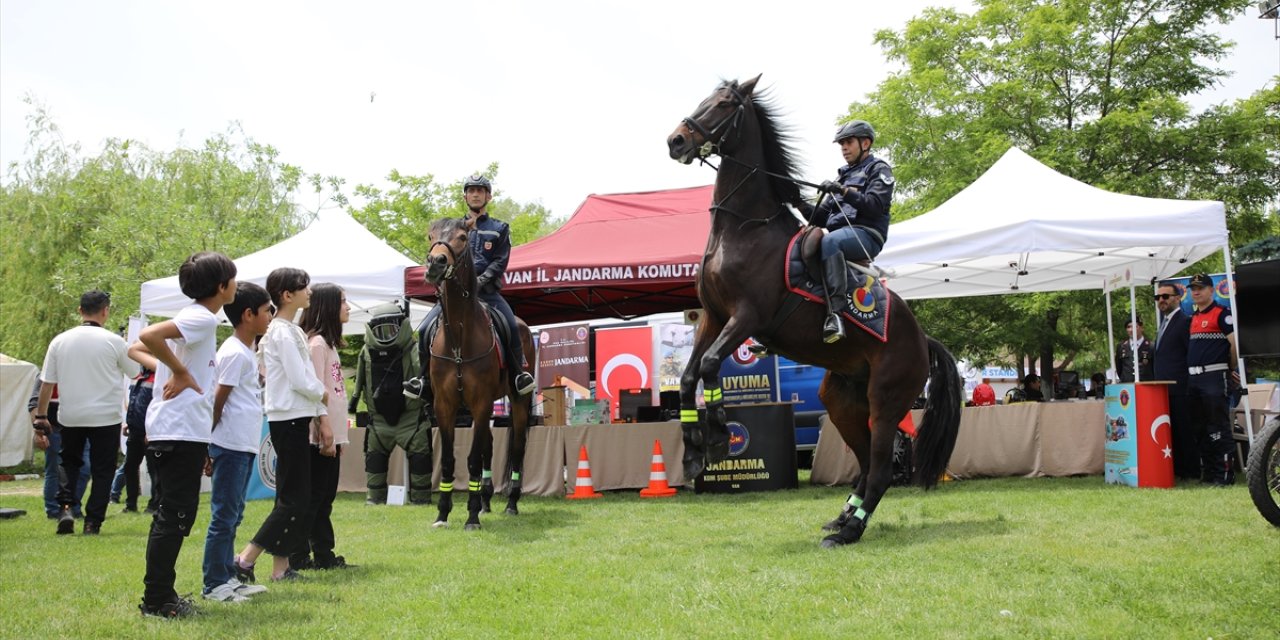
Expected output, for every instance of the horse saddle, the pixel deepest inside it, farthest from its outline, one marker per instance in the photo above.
(868, 304)
(497, 324)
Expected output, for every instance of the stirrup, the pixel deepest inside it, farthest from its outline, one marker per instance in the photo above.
(832, 329)
(413, 388)
(758, 350)
(524, 383)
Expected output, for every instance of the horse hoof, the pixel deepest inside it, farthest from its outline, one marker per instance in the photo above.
(512, 511)
(835, 540)
(471, 526)
(439, 524)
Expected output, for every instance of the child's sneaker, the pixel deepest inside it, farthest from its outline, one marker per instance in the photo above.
(177, 608)
(224, 593)
(246, 589)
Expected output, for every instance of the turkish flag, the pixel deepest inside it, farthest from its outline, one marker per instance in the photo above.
(624, 360)
(1155, 449)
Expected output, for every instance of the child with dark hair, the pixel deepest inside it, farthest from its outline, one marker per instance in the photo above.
(323, 322)
(294, 396)
(182, 352)
(237, 428)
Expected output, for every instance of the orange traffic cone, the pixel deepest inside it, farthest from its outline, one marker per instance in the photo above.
(658, 487)
(583, 488)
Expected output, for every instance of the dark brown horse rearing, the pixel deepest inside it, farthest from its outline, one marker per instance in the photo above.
(465, 369)
(741, 289)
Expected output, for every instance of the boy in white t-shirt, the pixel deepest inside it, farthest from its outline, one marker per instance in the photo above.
(182, 352)
(237, 429)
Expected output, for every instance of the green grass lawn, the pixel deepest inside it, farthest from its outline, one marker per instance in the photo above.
(1025, 558)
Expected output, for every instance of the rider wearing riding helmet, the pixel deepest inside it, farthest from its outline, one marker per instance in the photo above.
(490, 250)
(855, 217)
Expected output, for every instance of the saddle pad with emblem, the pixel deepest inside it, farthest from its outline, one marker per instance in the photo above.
(868, 307)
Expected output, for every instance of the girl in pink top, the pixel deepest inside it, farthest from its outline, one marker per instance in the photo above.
(322, 322)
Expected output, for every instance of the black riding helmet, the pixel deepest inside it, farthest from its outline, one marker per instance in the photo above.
(477, 180)
(856, 129)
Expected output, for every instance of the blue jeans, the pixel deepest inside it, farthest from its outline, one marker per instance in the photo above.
(856, 243)
(231, 471)
(52, 472)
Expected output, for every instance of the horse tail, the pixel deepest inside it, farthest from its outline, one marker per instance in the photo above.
(936, 437)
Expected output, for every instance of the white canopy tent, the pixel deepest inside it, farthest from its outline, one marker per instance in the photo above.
(334, 248)
(1023, 227)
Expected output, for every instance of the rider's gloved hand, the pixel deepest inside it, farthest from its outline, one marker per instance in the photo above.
(483, 280)
(832, 187)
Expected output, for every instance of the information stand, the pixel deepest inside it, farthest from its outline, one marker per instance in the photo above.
(1138, 450)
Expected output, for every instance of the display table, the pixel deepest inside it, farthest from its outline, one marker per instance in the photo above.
(1029, 439)
(620, 456)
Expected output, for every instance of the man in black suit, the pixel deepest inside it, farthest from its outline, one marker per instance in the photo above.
(1172, 339)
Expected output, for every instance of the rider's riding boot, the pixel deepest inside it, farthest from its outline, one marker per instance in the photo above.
(837, 281)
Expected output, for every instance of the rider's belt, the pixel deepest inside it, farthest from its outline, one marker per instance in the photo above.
(1209, 368)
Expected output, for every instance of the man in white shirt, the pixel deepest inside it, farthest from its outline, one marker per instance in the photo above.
(89, 364)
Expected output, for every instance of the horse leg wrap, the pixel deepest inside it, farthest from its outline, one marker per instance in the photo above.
(846, 511)
(474, 504)
(717, 427)
(486, 490)
(446, 502)
(513, 494)
(694, 435)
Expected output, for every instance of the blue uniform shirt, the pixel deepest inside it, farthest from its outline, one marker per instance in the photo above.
(868, 206)
(490, 250)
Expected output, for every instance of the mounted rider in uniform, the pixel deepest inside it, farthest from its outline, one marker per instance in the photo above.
(490, 251)
(855, 217)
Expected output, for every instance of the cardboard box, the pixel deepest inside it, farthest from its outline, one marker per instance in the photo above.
(555, 406)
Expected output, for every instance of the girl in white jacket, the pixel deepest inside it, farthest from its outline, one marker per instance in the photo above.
(294, 396)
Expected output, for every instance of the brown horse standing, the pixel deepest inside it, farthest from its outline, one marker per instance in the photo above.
(740, 285)
(466, 368)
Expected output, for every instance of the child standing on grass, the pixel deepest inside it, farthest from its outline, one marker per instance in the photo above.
(323, 322)
(294, 396)
(182, 352)
(237, 427)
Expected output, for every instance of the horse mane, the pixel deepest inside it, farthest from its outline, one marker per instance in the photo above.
(778, 145)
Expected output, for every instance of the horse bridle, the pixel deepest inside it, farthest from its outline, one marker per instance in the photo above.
(715, 135)
(450, 271)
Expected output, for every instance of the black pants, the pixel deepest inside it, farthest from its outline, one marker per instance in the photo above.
(104, 447)
(178, 466)
(318, 544)
(284, 529)
(1186, 444)
(1211, 422)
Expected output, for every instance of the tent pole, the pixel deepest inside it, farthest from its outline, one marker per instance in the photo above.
(1111, 347)
(1235, 319)
(1133, 337)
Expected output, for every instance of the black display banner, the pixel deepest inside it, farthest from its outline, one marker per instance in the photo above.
(762, 451)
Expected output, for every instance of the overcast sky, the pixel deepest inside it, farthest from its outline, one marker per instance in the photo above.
(571, 98)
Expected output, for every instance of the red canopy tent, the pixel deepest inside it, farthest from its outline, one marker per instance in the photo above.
(621, 255)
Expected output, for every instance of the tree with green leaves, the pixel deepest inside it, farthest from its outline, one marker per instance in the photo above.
(401, 214)
(127, 215)
(1097, 90)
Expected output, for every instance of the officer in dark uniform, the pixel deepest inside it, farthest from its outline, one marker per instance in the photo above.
(1209, 353)
(490, 251)
(1170, 364)
(856, 216)
(1124, 355)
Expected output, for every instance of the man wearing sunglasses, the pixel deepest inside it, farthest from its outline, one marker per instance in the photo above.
(1172, 337)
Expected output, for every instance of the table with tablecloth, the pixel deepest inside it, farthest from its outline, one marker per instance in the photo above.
(620, 456)
(1063, 438)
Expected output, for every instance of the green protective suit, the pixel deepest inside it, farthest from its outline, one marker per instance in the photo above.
(388, 358)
